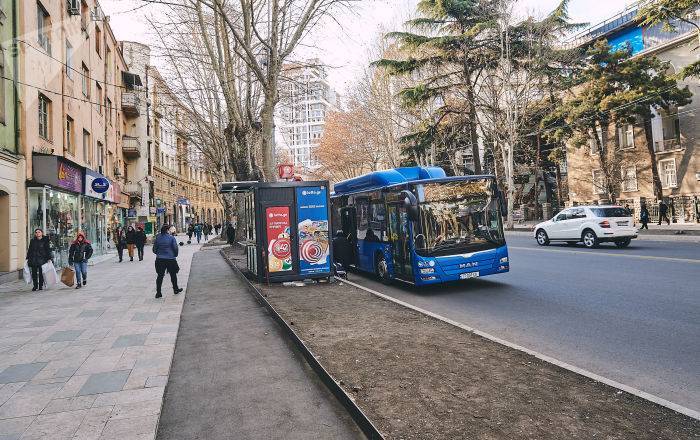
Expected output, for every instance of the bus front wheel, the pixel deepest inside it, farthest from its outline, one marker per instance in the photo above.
(382, 269)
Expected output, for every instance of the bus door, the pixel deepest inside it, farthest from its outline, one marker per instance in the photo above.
(400, 238)
(348, 223)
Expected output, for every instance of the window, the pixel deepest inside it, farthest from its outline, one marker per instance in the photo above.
(592, 141)
(86, 81)
(43, 27)
(70, 134)
(575, 213)
(99, 97)
(667, 173)
(611, 212)
(108, 63)
(100, 157)
(69, 60)
(87, 147)
(625, 136)
(44, 116)
(84, 15)
(598, 182)
(629, 178)
(98, 40)
(2, 86)
(109, 111)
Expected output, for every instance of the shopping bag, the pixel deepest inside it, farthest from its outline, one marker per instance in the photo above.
(27, 273)
(50, 274)
(68, 276)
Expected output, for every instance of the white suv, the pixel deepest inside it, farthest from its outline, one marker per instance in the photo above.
(591, 225)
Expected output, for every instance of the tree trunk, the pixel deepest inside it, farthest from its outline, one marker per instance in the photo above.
(560, 202)
(656, 180)
(473, 136)
(268, 140)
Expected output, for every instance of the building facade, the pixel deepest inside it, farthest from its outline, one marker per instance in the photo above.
(676, 134)
(305, 98)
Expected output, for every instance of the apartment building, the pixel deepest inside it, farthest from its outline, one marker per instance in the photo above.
(676, 134)
(305, 98)
(71, 68)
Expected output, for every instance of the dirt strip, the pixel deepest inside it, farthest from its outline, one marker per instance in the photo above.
(419, 378)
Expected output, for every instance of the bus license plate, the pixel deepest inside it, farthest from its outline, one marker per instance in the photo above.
(467, 275)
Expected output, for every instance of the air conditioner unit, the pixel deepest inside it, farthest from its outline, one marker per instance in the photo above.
(73, 7)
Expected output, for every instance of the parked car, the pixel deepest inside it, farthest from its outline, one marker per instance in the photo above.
(591, 225)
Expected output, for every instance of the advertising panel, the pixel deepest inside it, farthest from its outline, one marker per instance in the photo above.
(69, 177)
(98, 186)
(279, 244)
(314, 243)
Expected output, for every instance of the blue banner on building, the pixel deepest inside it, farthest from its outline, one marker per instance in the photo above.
(314, 242)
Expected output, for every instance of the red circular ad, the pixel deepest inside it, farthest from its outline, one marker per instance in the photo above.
(282, 248)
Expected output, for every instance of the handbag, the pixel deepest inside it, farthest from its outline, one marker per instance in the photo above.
(68, 276)
(50, 274)
(27, 273)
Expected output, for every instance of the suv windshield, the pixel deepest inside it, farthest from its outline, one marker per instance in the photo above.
(611, 212)
(458, 216)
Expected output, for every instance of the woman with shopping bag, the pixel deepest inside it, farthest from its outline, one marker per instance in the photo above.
(38, 254)
(78, 255)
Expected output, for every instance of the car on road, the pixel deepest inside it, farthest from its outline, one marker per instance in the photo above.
(590, 225)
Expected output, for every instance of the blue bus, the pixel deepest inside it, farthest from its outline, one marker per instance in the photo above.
(419, 226)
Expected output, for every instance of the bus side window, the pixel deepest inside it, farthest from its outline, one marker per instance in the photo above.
(362, 210)
(377, 220)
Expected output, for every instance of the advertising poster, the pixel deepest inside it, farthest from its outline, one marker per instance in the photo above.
(69, 177)
(279, 244)
(314, 243)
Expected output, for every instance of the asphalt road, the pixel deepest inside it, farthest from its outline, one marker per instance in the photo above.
(631, 315)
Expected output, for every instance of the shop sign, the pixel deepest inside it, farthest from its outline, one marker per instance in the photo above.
(160, 211)
(98, 186)
(279, 244)
(131, 213)
(183, 201)
(143, 211)
(314, 243)
(69, 177)
(152, 210)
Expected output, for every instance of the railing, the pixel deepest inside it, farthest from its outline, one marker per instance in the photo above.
(133, 189)
(130, 103)
(131, 146)
(667, 145)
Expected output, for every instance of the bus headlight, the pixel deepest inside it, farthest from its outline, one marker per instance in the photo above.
(504, 260)
(427, 270)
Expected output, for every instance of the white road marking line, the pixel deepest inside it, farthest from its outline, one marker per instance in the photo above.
(643, 257)
(620, 386)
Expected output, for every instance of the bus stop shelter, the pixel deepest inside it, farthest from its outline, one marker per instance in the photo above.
(287, 229)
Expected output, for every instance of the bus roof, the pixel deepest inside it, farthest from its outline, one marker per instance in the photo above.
(397, 176)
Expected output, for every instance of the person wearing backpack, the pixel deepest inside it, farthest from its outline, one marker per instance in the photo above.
(79, 253)
(644, 216)
(198, 232)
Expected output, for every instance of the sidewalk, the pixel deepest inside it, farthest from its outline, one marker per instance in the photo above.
(234, 374)
(89, 363)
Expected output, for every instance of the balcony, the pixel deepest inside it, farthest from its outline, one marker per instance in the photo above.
(130, 103)
(133, 189)
(667, 145)
(131, 147)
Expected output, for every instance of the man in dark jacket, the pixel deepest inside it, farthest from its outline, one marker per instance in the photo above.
(663, 212)
(342, 250)
(166, 249)
(140, 241)
(230, 233)
(79, 253)
(38, 253)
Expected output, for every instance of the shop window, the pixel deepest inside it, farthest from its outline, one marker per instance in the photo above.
(70, 135)
(44, 116)
(629, 178)
(667, 172)
(43, 27)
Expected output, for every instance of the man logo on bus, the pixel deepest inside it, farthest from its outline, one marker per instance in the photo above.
(282, 248)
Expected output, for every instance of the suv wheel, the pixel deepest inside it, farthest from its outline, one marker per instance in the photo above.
(623, 243)
(542, 238)
(590, 240)
(382, 270)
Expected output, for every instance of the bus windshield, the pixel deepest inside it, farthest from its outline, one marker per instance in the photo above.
(457, 217)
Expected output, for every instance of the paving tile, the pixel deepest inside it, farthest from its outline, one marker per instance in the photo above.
(136, 409)
(58, 426)
(74, 384)
(29, 400)
(21, 373)
(93, 424)
(8, 390)
(137, 428)
(156, 381)
(91, 313)
(44, 322)
(107, 382)
(101, 361)
(129, 396)
(12, 429)
(130, 340)
(145, 316)
(64, 335)
(69, 404)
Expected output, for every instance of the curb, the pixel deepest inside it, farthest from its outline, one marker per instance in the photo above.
(362, 421)
(620, 386)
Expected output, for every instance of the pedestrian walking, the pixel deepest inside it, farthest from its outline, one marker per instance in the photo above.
(230, 233)
(198, 232)
(131, 241)
(217, 228)
(120, 241)
(206, 231)
(663, 212)
(644, 216)
(38, 253)
(190, 231)
(79, 253)
(166, 249)
(140, 241)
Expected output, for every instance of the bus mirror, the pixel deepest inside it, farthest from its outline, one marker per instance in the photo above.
(411, 204)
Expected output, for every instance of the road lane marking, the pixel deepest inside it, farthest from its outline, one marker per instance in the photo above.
(642, 257)
(598, 378)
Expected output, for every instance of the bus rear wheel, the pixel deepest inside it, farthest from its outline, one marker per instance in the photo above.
(382, 269)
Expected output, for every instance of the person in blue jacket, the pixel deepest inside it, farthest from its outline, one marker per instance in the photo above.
(166, 249)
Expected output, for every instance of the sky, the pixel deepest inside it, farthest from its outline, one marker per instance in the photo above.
(345, 47)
